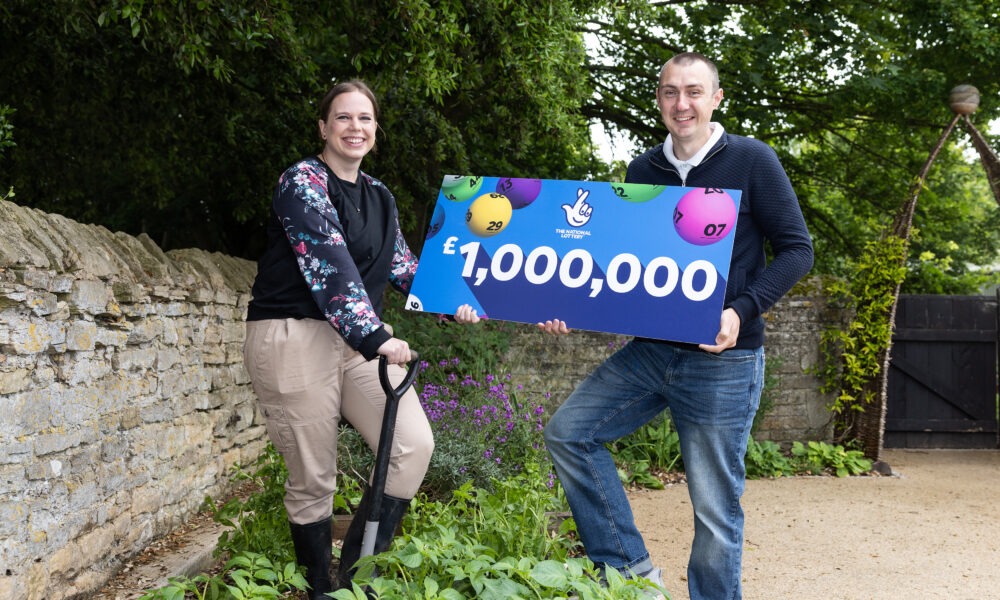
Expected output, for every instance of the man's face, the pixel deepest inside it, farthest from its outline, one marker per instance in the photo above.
(686, 97)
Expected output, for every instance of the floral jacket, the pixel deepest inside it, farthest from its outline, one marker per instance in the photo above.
(321, 264)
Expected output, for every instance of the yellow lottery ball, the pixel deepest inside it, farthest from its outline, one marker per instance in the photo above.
(488, 214)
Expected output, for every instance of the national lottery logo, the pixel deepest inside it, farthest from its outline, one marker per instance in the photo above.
(579, 213)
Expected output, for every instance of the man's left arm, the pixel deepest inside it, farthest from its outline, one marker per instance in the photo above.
(776, 211)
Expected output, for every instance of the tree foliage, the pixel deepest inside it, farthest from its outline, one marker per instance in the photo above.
(152, 117)
(175, 118)
(852, 95)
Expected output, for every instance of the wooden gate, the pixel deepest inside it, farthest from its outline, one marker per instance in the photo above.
(943, 373)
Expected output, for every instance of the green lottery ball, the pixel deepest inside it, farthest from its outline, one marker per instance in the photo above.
(488, 214)
(459, 188)
(637, 192)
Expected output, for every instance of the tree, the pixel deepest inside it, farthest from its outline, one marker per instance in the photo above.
(145, 123)
(850, 94)
(175, 119)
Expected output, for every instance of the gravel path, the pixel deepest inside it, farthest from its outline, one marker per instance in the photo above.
(931, 530)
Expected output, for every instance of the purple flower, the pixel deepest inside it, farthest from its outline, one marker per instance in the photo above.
(483, 412)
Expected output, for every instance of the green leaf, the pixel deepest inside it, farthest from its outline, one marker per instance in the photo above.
(550, 573)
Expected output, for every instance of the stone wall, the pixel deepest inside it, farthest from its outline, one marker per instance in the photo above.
(798, 410)
(123, 399)
(546, 364)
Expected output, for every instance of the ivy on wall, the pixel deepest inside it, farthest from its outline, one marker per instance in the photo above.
(852, 356)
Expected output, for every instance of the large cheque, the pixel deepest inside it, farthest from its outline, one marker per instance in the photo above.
(644, 260)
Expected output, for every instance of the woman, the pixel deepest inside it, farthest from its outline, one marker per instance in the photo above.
(314, 325)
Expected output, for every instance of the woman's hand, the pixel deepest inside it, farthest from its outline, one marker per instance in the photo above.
(396, 351)
(554, 327)
(466, 315)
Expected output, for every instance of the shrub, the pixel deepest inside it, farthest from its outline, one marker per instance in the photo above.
(483, 431)
(653, 447)
(820, 457)
(487, 544)
(766, 459)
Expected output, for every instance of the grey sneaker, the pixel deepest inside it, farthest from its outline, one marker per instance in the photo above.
(654, 576)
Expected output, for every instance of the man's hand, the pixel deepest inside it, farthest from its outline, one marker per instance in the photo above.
(554, 327)
(729, 330)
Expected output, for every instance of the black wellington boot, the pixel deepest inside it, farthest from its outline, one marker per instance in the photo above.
(392, 513)
(313, 550)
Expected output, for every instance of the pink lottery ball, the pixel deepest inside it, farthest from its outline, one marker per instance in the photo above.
(705, 216)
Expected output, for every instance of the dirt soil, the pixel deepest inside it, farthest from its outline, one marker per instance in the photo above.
(930, 530)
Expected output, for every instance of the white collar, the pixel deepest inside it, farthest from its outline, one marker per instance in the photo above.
(686, 165)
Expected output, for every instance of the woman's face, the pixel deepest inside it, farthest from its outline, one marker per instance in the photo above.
(349, 129)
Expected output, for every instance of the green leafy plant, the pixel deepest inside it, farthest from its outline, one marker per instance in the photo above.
(655, 446)
(6, 130)
(820, 457)
(765, 459)
(851, 355)
(490, 544)
(254, 576)
(257, 523)
(247, 576)
(473, 572)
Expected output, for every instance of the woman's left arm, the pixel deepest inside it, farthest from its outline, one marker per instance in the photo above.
(404, 262)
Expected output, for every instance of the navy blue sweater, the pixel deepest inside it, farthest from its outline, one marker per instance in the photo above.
(769, 211)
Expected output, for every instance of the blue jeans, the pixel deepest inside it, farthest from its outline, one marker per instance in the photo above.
(712, 400)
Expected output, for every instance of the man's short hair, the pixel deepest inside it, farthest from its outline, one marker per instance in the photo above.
(686, 58)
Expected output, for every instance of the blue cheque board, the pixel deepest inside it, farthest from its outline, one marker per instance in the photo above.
(635, 259)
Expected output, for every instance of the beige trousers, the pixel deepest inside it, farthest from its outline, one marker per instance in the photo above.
(306, 379)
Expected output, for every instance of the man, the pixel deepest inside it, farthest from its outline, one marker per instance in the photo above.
(712, 390)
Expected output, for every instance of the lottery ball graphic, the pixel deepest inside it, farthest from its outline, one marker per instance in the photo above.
(437, 221)
(488, 214)
(460, 188)
(414, 303)
(520, 192)
(705, 216)
(637, 192)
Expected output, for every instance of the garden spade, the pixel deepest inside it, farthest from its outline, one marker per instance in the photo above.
(392, 396)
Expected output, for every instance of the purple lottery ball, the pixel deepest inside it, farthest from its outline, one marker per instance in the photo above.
(520, 192)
